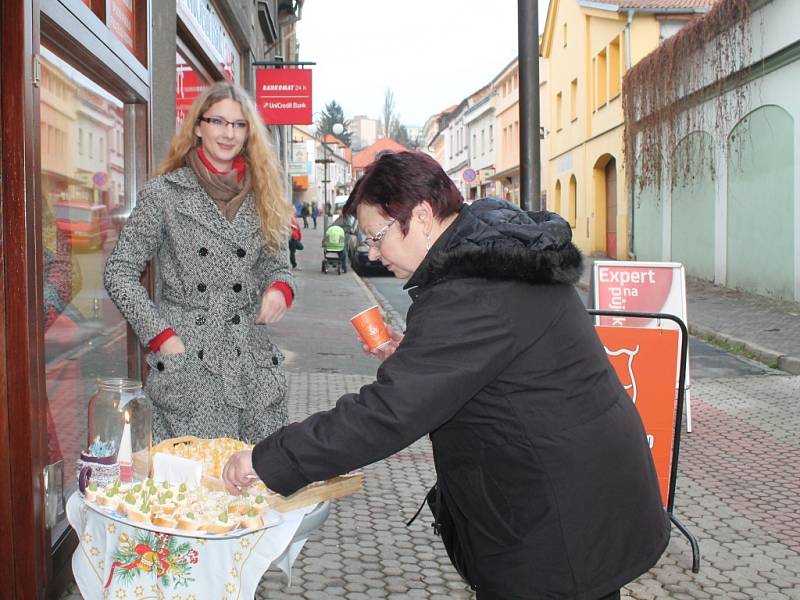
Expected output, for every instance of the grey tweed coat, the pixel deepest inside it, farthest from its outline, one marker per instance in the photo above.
(230, 381)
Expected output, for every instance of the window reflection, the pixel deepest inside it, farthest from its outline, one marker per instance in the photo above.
(84, 206)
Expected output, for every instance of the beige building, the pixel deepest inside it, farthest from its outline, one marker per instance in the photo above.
(589, 45)
(507, 134)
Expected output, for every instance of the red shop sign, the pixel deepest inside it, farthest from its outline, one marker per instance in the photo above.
(284, 96)
(120, 21)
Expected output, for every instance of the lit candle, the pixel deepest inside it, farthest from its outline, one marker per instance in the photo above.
(125, 456)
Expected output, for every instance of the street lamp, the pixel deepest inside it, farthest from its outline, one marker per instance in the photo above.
(337, 129)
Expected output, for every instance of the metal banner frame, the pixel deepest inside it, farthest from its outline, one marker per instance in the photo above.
(676, 441)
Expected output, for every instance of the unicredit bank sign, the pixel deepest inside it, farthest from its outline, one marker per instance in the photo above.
(284, 96)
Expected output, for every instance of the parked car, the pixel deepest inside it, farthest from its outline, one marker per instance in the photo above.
(358, 253)
(85, 225)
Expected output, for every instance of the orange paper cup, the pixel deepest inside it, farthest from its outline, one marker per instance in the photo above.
(370, 326)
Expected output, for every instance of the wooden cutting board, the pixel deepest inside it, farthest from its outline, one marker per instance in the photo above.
(314, 493)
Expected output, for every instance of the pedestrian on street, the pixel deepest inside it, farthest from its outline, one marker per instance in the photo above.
(295, 243)
(305, 214)
(314, 213)
(545, 483)
(217, 221)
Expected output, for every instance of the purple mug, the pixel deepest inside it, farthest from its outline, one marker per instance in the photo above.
(104, 468)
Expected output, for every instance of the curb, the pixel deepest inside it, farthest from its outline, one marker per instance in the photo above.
(767, 356)
(394, 318)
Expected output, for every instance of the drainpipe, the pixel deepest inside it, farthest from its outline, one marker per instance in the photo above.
(631, 196)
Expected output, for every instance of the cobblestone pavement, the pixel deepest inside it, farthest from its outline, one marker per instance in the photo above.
(738, 490)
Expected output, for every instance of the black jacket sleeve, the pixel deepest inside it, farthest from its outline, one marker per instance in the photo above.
(448, 354)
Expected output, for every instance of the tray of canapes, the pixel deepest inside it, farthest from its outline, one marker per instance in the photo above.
(214, 453)
(182, 510)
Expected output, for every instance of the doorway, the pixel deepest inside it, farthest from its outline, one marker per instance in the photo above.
(611, 207)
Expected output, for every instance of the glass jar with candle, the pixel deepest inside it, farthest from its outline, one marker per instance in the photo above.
(120, 433)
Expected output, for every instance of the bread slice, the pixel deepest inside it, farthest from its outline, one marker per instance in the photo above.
(188, 521)
(139, 514)
(252, 519)
(222, 524)
(164, 520)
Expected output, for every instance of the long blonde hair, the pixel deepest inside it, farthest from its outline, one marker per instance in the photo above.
(265, 173)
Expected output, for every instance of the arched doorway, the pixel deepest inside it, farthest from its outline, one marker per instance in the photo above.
(605, 206)
(572, 208)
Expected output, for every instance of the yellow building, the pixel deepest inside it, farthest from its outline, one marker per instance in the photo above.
(589, 45)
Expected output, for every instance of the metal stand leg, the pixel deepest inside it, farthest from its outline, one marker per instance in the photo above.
(692, 541)
(688, 405)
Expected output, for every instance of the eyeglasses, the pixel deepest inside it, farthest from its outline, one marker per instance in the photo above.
(221, 123)
(374, 241)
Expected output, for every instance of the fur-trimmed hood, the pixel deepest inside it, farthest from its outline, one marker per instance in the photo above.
(494, 239)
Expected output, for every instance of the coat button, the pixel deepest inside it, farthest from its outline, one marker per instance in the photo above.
(201, 287)
(160, 366)
(200, 354)
(241, 252)
(275, 360)
(237, 287)
(200, 321)
(203, 252)
(236, 319)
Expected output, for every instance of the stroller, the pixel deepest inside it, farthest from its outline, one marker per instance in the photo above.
(333, 250)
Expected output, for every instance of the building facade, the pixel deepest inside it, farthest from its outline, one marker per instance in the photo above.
(480, 121)
(589, 46)
(506, 129)
(364, 131)
(91, 92)
(728, 204)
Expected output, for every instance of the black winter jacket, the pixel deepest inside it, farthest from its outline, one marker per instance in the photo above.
(540, 453)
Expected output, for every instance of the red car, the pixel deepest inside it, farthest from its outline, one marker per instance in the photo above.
(86, 225)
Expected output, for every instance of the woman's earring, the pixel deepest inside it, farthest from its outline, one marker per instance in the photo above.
(427, 241)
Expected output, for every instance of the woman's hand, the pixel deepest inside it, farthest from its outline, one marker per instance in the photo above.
(172, 345)
(238, 473)
(273, 306)
(387, 349)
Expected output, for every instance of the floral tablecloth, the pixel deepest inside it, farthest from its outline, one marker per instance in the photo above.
(118, 561)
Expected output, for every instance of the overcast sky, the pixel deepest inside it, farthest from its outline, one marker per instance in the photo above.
(431, 53)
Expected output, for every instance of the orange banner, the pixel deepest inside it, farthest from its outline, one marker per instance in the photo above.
(645, 361)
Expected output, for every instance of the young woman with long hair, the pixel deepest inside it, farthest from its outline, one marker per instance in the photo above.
(216, 218)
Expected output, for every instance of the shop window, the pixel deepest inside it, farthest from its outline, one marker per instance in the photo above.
(189, 84)
(82, 211)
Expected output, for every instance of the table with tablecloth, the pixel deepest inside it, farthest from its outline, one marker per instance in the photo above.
(120, 561)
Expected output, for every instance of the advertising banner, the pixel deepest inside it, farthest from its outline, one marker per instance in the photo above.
(188, 86)
(283, 96)
(640, 358)
(120, 21)
(639, 287)
(632, 286)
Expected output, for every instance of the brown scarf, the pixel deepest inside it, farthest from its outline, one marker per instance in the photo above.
(226, 192)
